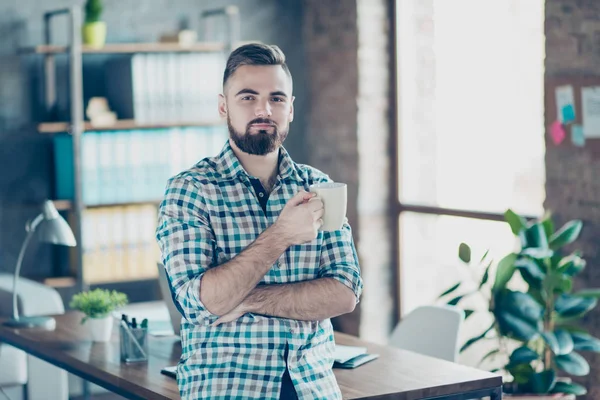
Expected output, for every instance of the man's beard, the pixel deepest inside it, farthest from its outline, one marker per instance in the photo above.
(259, 143)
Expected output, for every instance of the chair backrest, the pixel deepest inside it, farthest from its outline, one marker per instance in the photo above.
(165, 291)
(430, 330)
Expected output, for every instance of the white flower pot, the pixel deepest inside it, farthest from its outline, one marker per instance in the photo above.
(100, 328)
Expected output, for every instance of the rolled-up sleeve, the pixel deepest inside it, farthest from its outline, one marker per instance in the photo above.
(187, 246)
(339, 259)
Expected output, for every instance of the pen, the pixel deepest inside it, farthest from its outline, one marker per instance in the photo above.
(132, 337)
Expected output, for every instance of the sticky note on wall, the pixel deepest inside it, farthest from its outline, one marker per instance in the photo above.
(577, 136)
(557, 132)
(565, 104)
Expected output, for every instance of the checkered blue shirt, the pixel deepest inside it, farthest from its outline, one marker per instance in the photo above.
(210, 213)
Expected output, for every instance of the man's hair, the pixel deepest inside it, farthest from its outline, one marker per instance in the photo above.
(254, 54)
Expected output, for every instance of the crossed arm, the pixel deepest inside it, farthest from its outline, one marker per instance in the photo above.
(230, 290)
(225, 292)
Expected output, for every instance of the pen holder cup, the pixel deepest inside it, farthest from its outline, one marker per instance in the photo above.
(130, 350)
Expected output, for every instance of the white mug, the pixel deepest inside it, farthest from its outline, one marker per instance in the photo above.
(334, 196)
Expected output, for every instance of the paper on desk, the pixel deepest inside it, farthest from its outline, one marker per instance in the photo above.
(345, 353)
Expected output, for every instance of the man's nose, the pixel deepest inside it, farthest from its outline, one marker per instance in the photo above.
(263, 110)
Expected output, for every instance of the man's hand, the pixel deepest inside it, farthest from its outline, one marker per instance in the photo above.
(301, 218)
(231, 315)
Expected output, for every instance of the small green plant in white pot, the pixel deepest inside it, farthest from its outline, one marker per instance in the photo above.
(97, 305)
(94, 30)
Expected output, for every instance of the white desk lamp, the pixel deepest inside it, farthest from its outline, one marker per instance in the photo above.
(51, 228)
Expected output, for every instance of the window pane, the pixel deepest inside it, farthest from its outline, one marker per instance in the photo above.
(430, 265)
(471, 104)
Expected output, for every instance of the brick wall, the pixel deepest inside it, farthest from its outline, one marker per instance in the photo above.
(346, 44)
(572, 174)
(330, 39)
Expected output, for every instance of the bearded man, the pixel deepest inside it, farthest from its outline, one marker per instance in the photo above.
(253, 276)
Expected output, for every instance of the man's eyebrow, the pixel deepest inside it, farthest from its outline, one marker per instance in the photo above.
(246, 90)
(278, 93)
(252, 91)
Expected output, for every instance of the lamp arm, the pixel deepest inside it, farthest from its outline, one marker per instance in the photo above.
(30, 228)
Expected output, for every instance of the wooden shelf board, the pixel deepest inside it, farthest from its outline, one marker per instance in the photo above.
(123, 124)
(122, 280)
(66, 205)
(60, 282)
(131, 48)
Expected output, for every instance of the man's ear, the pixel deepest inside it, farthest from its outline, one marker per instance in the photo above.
(292, 109)
(222, 106)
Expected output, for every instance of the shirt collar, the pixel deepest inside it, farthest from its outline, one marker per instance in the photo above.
(228, 165)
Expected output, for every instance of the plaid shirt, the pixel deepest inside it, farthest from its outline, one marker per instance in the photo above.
(210, 213)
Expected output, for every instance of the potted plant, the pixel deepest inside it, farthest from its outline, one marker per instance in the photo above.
(97, 305)
(537, 328)
(94, 30)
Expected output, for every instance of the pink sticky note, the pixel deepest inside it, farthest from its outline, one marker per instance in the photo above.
(557, 132)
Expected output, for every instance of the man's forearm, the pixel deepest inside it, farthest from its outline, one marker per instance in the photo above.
(224, 287)
(310, 300)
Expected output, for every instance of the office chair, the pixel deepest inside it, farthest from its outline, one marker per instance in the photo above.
(430, 330)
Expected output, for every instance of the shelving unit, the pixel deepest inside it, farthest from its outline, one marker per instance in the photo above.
(77, 126)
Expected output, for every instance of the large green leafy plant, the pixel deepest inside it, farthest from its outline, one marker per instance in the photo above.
(541, 321)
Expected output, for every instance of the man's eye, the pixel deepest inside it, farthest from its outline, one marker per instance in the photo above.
(247, 98)
(277, 99)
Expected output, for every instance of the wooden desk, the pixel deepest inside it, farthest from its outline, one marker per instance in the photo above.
(397, 374)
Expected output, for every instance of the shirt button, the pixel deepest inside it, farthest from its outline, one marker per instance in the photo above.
(261, 194)
(292, 330)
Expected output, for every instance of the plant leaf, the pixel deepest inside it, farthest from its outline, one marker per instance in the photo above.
(484, 255)
(515, 221)
(505, 271)
(565, 235)
(521, 373)
(594, 293)
(454, 301)
(464, 253)
(537, 252)
(569, 388)
(531, 266)
(573, 364)
(572, 328)
(569, 306)
(548, 224)
(542, 382)
(486, 275)
(565, 342)
(585, 342)
(551, 341)
(519, 304)
(563, 285)
(536, 236)
(515, 327)
(571, 265)
(452, 289)
(523, 355)
(475, 339)
(488, 355)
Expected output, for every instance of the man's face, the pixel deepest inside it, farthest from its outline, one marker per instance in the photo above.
(258, 104)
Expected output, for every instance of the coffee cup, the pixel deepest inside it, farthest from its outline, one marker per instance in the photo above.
(334, 196)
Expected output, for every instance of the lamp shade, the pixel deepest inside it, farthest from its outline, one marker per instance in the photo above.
(53, 228)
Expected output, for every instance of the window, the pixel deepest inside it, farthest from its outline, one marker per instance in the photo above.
(470, 133)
